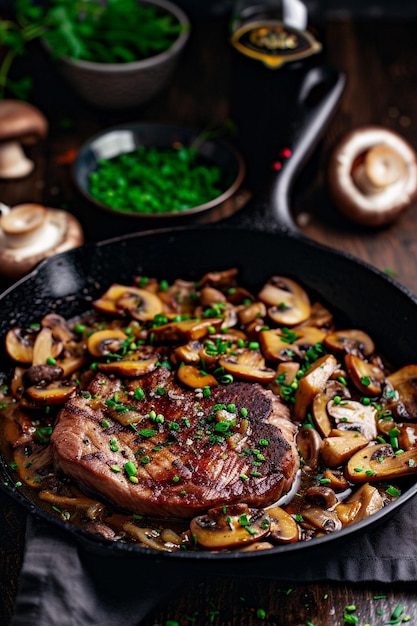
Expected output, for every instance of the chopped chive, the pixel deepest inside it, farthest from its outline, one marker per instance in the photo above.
(130, 468)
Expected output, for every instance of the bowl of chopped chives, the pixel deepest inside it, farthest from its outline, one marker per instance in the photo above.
(148, 170)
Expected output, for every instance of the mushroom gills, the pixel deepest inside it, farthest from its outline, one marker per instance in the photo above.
(230, 526)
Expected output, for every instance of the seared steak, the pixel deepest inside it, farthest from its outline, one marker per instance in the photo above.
(153, 447)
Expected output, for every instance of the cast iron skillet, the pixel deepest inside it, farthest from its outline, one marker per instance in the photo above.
(367, 298)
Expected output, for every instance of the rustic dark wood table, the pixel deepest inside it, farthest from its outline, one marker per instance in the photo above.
(379, 58)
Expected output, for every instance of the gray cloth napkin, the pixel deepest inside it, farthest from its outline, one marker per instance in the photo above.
(62, 583)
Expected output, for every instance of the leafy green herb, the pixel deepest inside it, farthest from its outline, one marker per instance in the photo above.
(94, 31)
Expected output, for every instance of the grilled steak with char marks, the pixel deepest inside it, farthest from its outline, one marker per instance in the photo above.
(188, 452)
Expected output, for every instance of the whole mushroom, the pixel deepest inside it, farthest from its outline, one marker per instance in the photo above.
(31, 232)
(372, 175)
(21, 124)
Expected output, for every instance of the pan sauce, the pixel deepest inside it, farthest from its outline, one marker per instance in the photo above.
(356, 419)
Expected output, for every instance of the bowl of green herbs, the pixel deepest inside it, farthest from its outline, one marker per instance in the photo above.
(158, 171)
(114, 53)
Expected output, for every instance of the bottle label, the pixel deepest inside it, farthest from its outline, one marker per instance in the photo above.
(273, 43)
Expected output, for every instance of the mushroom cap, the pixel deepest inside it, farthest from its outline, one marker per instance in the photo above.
(15, 262)
(372, 175)
(21, 121)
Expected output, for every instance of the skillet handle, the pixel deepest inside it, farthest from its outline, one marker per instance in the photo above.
(312, 120)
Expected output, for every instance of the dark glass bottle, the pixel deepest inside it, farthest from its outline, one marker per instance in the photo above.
(275, 43)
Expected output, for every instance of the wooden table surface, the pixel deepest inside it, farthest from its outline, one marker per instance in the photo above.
(380, 61)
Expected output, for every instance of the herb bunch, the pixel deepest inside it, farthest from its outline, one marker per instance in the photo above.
(115, 31)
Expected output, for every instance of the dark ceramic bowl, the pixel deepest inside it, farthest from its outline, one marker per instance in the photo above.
(124, 85)
(124, 139)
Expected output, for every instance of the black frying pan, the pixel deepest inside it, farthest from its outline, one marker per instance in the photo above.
(369, 299)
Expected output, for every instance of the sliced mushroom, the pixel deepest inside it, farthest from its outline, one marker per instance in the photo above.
(56, 392)
(337, 388)
(137, 363)
(336, 479)
(320, 414)
(141, 304)
(149, 537)
(385, 423)
(309, 444)
(284, 345)
(247, 364)
(210, 296)
(179, 298)
(288, 302)
(350, 415)
(321, 519)
(370, 501)
(287, 372)
(407, 438)
(230, 526)
(210, 353)
(92, 507)
(186, 330)
(351, 341)
(379, 462)
(188, 353)
(59, 327)
(340, 446)
(284, 528)
(347, 511)
(251, 312)
(107, 303)
(192, 377)
(20, 342)
(71, 364)
(46, 347)
(224, 310)
(320, 317)
(108, 341)
(238, 295)
(403, 404)
(367, 377)
(33, 463)
(221, 280)
(313, 381)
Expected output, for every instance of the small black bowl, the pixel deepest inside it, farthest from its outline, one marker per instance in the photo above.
(123, 139)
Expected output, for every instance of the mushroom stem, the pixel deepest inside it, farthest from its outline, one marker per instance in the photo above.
(24, 225)
(13, 161)
(373, 175)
